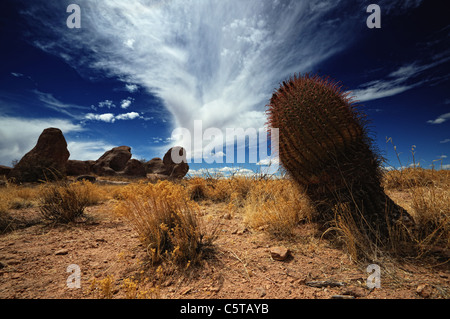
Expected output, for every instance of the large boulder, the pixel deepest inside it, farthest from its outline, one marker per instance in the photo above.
(173, 165)
(76, 168)
(134, 168)
(176, 163)
(112, 161)
(155, 166)
(46, 161)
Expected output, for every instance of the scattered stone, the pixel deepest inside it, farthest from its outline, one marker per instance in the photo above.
(61, 252)
(261, 292)
(424, 291)
(279, 253)
(356, 292)
(46, 161)
(342, 297)
(324, 283)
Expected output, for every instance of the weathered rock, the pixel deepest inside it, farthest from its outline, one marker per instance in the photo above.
(176, 163)
(46, 161)
(76, 168)
(173, 165)
(5, 170)
(61, 252)
(156, 166)
(424, 291)
(135, 168)
(279, 253)
(112, 161)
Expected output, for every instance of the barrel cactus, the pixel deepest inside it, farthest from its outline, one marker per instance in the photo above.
(324, 144)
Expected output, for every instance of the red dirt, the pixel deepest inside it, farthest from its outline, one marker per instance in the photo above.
(241, 266)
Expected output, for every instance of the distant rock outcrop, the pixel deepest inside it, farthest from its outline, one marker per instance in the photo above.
(46, 161)
(134, 168)
(112, 161)
(76, 168)
(49, 160)
(172, 166)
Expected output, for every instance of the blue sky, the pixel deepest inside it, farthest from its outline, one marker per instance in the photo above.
(136, 70)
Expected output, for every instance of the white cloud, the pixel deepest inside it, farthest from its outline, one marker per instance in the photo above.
(440, 119)
(107, 103)
(126, 103)
(111, 118)
(216, 61)
(106, 117)
(129, 43)
(16, 74)
(87, 150)
(128, 116)
(132, 88)
(401, 80)
(447, 140)
(19, 135)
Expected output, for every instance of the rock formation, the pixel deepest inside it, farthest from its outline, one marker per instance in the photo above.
(49, 160)
(173, 165)
(112, 161)
(46, 161)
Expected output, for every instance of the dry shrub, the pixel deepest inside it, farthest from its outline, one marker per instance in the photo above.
(234, 189)
(431, 211)
(167, 222)
(427, 194)
(276, 206)
(5, 218)
(198, 189)
(64, 202)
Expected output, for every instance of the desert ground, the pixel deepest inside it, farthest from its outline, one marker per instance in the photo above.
(257, 252)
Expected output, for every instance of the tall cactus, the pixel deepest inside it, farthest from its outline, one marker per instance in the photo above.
(325, 146)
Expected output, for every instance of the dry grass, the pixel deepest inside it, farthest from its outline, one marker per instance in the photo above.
(64, 202)
(167, 222)
(165, 214)
(276, 206)
(428, 200)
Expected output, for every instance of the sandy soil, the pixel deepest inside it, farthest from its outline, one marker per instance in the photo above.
(34, 260)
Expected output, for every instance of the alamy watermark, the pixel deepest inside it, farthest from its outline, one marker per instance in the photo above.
(213, 145)
(374, 279)
(74, 280)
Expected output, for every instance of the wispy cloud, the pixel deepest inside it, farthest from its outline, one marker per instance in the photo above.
(218, 61)
(447, 140)
(401, 80)
(69, 109)
(440, 119)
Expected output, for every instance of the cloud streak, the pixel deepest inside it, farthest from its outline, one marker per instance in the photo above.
(218, 61)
